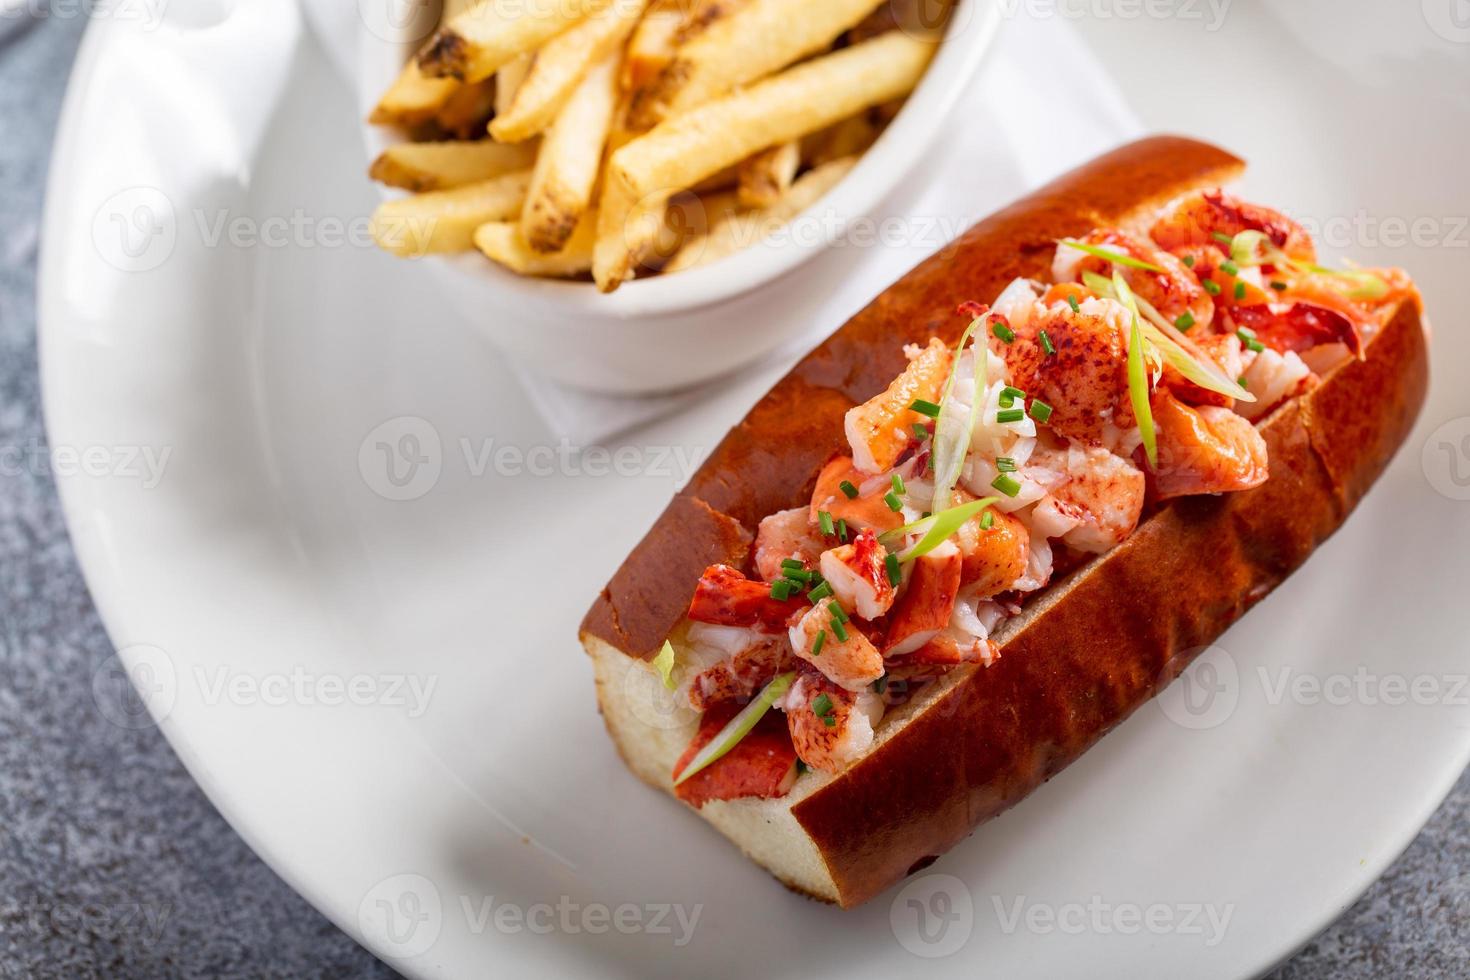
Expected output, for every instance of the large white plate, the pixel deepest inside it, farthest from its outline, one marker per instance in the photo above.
(270, 575)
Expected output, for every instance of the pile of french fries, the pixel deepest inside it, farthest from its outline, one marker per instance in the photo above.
(623, 137)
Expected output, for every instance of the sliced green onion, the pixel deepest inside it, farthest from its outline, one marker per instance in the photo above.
(898, 484)
(820, 592)
(1239, 290)
(1010, 415)
(793, 564)
(1072, 302)
(1184, 321)
(920, 431)
(1249, 340)
(1115, 257)
(1278, 285)
(1137, 376)
(952, 435)
(880, 685)
(838, 630)
(894, 504)
(1005, 464)
(1250, 247)
(895, 573)
(1229, 268)
(781, 589)
(1211, 286)
(987, 520)
(925, 408)
(1040, 411)
(824, 521)
(842, 529)
(1046, 345)
(838, 613)
(739, 726)
(1220, 237)
(1241, 381)
(1002, 332)
(1006, 484)
(937, 528)
(1008, 396)
(818, 643)
(821, 705)
(848, 490)
(664, 664)
(1189, 261)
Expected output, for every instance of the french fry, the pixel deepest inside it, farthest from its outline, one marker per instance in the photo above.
(734, 230)
(850, 136)
(412, 99)
(502, 242)
(765, 176)
(760, 37)
(559, 66)
(628, 229)
(445, 221)
(423, 167)
(651, 45)
(492, 33)
(571, 153)
(465, 113)
(687, 217)
(508, 79)
(683, 150)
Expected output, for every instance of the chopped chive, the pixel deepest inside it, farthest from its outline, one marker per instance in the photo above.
(1010, 415)
(1006, 484)
(895, 574)
(898, 484)
(1008, 396)
(829, 721)
(1239, 290)
(839, 615)
(1184, 321)
(925, 408)
(824, 521)
(821, 705)
(1278, 285)
(817, 646)
(1221, 237)
(820, 592)
(880, 685)
(1189, 261)
(891, 499)
(920, 431)
(1046, 345)
(1072, 302)
(1211, 286)
(841, 529)
(1003, 332)
(1040, 410)
(1005, 464)
(793, 564)
(1241, 381)
(839, 631)
(848, 490)
(987, 520)
(1229, 268)
(1250, 341)
(781, 589)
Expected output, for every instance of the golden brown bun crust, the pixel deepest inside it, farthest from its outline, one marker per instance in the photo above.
(1186, 574)
(769, 461)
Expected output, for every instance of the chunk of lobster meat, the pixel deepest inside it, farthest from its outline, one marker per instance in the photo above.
(1169, 287)
(950, 649)
(1272, 377)
(783, 536)
(881, 428)
(1224, 350)
(866, 509)
(1099, 502)
(762, 764)
(740, 676)
(993, 558)
(837, 648)
(1085, 380)
(1299, 327)
(859, 576)
(1240, 287)
(927, 602)
(830, 727)
(1204, 450)
(727, 598)
(1198, 218)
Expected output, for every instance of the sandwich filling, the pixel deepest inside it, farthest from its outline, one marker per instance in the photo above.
(1068, 410)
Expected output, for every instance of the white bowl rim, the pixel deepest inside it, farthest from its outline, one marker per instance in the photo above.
(878, 172)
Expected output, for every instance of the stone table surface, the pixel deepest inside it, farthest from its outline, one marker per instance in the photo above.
(112, 862)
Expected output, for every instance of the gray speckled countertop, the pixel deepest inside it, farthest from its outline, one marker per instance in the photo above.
(112, 861)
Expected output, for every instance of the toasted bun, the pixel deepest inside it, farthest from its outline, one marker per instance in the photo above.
(1086, 652)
